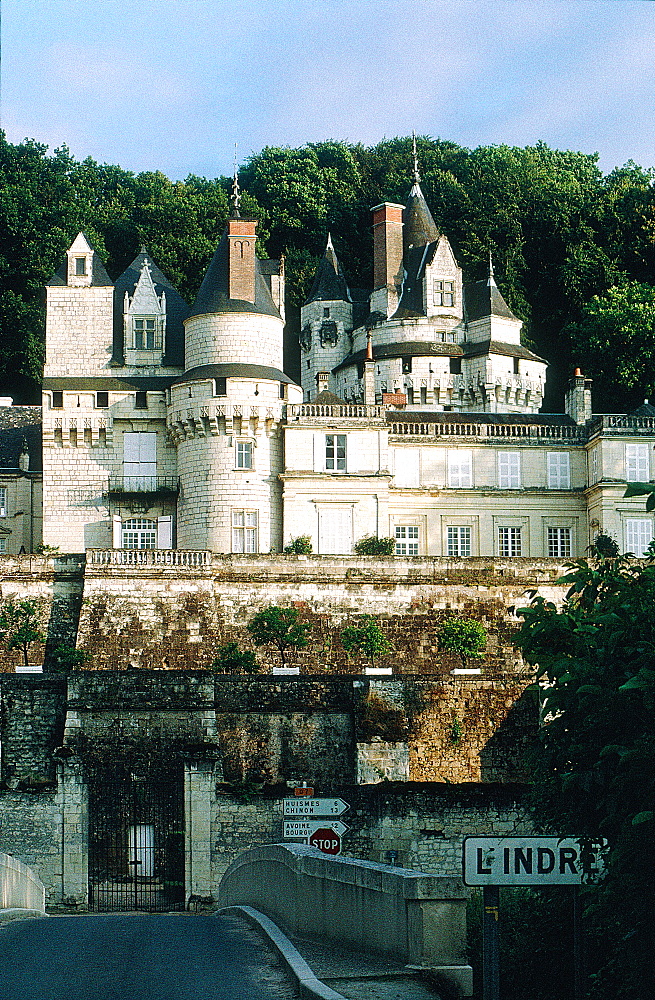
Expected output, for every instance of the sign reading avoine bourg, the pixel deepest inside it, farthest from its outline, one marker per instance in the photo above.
(530, 860)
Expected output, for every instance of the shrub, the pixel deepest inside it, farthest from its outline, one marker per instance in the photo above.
(463, 636)
(371, 545)
(300, 546)
(66, 658)
(279, 627)
(367, 638)
(604, 547)
(20, 626)
(232, 660)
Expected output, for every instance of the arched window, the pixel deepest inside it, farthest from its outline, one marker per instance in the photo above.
(139, 533)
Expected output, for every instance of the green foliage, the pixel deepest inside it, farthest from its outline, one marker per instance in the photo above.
(47, 550)
(20, 626)
(641, 490)
(456, 731)
(593, 768)
(300, 546)
(604, 546)
(463, 636)
(371, 545)
(279, 627)
(367, 639)
(66, 658)
(233, 660)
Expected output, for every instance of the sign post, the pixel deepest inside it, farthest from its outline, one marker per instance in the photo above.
(490, 943)
(314, 821)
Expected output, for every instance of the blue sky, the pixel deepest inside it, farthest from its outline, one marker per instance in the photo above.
(171, 85)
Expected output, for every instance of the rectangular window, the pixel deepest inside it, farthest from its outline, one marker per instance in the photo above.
(459, 540)
(460, 464)
(455, 366)
(139, 460)
(515, 366)
(636, 464)
(444, 293)
(144, 334)
(424, 395)
(102, 400)
(509, 470)
(509, 541)
(335, 452)
(593, 465)
(244, 531)
(80, 266)
(283, 390)
(406, 539)
(220, 387)
(243, 455)
(410, 395)
(57, 399)
(559, 542)
(638, 535)
(3, 548)
(141, 400)
(559, 470)
(3, 501)
(407, 366)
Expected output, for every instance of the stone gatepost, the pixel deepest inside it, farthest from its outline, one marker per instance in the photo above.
(199, 793)
(73, 802)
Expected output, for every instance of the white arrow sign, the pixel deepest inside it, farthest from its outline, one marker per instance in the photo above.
(314, 807)
(306, 827)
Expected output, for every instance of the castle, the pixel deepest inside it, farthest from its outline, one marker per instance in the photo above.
(169, 427)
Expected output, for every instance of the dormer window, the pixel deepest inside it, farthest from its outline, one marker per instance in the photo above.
(80, 266)
(144, 334)
(144, 317)
(444, 293)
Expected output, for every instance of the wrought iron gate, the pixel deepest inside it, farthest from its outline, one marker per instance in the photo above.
(136, 842)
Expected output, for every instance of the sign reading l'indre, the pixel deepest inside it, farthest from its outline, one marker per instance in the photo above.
(530, 860)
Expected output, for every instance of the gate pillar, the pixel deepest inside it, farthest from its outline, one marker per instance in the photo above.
(199, 793)
(74, 830)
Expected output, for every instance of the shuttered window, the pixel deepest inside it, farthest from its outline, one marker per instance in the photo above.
(335, 529)
(460, 464)
(559, 470)
(638, 535)
(636, 463)
(140, 460)
(509, 470)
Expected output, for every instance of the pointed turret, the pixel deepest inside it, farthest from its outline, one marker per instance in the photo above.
(419, 226)
(324, 318)
(329, 282)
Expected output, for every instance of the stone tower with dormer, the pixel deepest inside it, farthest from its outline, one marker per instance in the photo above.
(326, 321)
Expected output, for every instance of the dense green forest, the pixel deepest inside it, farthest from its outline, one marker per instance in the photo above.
(573, 249)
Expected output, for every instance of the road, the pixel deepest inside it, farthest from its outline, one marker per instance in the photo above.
(138, 957)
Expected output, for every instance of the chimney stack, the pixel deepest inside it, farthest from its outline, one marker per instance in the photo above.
(387, 256)
(577, 402)
(241, 238)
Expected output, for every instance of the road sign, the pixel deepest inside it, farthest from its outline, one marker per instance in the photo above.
(326, 840)
(294, 828)
(529, 861)
(314, 807)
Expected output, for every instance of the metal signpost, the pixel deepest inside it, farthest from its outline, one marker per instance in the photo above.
(494, 861)
(310, 820)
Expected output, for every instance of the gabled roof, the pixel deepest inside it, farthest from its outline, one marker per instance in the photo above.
(411, 299)
(419, 226)
(213, 294)
(645, 410)
(329, 282)
(483, 298)
(20, 425)
(176, 309)
(99, 276)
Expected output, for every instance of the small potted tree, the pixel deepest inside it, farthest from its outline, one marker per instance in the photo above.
(279, 627)
(369, 640)
(465, 637)
(20, 626)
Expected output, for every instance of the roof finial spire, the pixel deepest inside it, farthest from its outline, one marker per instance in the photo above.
(417, 176)
(236, 196)
(329, 245)
(492, 280)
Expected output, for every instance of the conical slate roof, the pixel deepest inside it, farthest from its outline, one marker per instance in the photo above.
(483, 298)
(213, 294)
(329, 282)
(176, 309)
(419, 226)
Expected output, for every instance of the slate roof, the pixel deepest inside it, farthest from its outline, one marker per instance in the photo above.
(329, 282)
(234, 370)
(645, 410)
(454, 417)
(409, 348)
(419, 226)
(213, 297)
(328, 398)
(475, 350)
(416, 260)
(91, 383)
(99, 276)
(17, 425)
(176, 310)
(483, 298)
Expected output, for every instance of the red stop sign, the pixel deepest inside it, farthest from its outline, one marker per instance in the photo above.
(326, 840)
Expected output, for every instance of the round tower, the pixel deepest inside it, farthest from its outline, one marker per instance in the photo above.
(224, 413)
(326, 320)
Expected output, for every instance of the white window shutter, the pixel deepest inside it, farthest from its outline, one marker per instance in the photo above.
(165, 532)
(117, 532)
(406, 463)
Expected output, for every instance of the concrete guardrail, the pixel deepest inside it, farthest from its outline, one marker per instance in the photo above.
(20, 889)
(414, 917)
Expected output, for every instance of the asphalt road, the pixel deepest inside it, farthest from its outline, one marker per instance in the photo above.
(140, 957)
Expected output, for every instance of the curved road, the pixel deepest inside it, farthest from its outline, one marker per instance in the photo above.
(140, 957)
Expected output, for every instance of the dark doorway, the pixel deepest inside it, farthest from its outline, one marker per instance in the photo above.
(136, 840)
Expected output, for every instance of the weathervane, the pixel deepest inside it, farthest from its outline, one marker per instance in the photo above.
(417, 176)
(236, 197)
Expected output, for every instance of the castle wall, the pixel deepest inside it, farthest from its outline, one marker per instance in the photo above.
(78, 330)
(233, 337)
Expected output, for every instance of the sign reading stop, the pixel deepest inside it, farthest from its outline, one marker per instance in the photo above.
(326, 840)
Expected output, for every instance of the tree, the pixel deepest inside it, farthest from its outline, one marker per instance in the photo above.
(279, 627)
(20, 626)
(371, 545)
(593, 769)
(232, 660)
(463, 636)
(366, 638)
(300, 546)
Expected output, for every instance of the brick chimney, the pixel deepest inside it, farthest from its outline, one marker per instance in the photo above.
(577, 403)
(387, 256)
(241, 267)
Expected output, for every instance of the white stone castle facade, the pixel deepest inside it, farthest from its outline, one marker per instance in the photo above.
(174, 428)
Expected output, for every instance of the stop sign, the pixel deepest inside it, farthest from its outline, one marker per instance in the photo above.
(326, 840)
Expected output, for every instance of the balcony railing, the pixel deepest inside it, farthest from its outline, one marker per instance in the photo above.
(551, 432)
(190, 558)
(322, 411)
(127, 486)
(618, 423)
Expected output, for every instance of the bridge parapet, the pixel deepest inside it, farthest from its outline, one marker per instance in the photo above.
(19, 886)
(412, 916)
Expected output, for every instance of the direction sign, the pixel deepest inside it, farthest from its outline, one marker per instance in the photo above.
(326, 840)
(306, 827)
(529, 860)
(314, 807)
